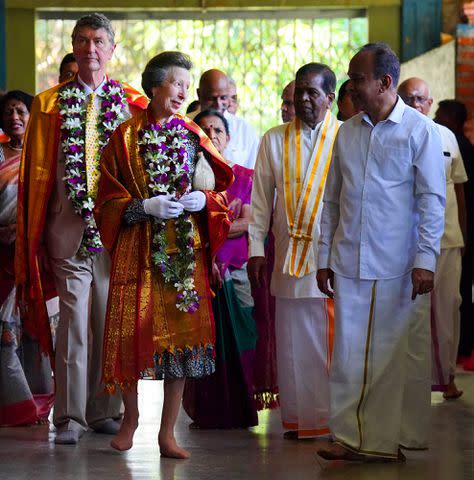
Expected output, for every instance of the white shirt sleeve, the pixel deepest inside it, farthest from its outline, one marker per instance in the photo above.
(458, 172)
(263, 194)
(430, 191)
(254, 145)
(330, 213)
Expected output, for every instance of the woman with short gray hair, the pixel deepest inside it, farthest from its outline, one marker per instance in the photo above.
(161, 219)
(158, 69)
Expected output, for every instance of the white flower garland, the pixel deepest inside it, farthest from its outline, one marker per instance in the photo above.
(162, 148)
(72, 111)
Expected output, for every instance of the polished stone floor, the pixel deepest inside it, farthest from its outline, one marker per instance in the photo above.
(259, 453)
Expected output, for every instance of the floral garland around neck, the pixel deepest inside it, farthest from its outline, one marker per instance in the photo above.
(163, 151)
(72, 110)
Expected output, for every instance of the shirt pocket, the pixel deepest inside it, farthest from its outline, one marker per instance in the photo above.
(395, 164)
(448, 163)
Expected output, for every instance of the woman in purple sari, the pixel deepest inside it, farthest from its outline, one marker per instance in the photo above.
(226, 398)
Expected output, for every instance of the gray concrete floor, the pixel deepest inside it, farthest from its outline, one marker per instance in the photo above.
(258, 453)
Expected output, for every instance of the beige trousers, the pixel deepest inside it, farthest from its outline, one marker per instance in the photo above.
(82, 286)
(445, 317)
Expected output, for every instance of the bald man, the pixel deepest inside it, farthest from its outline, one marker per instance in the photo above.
(213, 93)
(233, 98)
(445, 297)
(287, 103)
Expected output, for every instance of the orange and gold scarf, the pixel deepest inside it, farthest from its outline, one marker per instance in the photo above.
(304, 190)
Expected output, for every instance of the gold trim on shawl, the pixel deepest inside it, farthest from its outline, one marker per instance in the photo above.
(300, 230)
(286, 178)
(299, 180)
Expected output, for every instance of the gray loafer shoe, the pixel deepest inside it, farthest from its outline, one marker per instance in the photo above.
(67, 437)
(108, 427)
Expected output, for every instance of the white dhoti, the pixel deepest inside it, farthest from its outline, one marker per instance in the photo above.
(380, 372)
(445, 317)
(303, 329)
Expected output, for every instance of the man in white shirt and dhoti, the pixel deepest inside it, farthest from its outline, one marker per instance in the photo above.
(292, 165)
(381, 226)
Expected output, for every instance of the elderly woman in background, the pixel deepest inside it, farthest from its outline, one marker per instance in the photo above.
(157, 211)
(26, 386)
(226, 399)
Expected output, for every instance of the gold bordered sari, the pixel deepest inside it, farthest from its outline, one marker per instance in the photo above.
(143, 322)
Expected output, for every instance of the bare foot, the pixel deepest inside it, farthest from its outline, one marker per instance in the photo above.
(124, 438)
(169, 448)
(452, 392)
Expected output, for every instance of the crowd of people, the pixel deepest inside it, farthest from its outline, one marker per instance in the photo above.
(325, 267)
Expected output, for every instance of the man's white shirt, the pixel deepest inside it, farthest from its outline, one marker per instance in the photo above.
(268, 184)
(243, 145)
(384, 202)
(455, 173)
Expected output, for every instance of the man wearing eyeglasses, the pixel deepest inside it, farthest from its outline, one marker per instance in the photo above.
(445, 297)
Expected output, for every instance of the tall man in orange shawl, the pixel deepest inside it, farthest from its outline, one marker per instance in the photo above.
(69, 126)
(293, 161)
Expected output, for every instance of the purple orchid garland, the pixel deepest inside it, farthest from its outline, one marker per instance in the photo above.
(72, 111)
(162, 148)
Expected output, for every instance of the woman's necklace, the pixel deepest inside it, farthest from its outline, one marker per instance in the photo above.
(18, 149)
(163, 150)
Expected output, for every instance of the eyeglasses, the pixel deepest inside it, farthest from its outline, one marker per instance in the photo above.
(411, 99)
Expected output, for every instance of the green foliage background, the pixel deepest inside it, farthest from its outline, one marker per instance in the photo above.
(261, 55)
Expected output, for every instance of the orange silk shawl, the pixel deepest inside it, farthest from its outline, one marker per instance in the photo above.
(142, 318)
(35, 182)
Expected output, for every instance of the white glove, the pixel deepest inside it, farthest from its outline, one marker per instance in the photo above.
(194, 201)
(162, 207)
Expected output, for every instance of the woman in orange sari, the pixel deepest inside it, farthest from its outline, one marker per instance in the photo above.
(26, 385)
(157, 211)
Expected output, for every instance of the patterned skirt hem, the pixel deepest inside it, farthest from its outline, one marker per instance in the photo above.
(195, 361)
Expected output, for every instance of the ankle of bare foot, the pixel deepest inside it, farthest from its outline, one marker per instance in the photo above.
(173, 451)
(130, 419)
(169, 447)
(130, 423)
(124, 438)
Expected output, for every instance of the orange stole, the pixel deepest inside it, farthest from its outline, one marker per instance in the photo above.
(36, 178)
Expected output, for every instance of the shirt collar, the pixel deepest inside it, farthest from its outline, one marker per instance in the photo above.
(307, 129)
(395, 116)
(88, 90)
